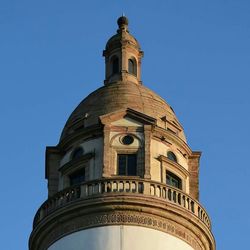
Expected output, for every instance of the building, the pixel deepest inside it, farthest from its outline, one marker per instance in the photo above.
(122, 176)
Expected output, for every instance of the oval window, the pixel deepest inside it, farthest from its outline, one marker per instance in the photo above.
(127, 140)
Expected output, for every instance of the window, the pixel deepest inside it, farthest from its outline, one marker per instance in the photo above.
(173, 180)
(132, 68)
(171, 156)
(77, 177)
(115, 65)
(127, 140)
(127, 164)
(77, 153)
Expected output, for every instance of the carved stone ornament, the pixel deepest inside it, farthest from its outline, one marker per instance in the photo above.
(122, 218)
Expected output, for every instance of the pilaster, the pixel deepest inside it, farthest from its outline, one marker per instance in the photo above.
(193, 168)
(147, 141)
(106, 151)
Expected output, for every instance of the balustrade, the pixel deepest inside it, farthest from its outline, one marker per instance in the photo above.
(122, 185)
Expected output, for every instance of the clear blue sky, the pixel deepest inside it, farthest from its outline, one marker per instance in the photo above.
(197, 57)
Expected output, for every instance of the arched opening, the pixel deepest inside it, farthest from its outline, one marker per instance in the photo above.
(171, 156)
(132, 66)
(115, 65)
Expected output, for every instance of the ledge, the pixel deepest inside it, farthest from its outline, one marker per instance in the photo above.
(82, 159)
(163, 158)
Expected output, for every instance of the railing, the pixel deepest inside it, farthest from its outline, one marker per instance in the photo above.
(181, 199)
(122, 185)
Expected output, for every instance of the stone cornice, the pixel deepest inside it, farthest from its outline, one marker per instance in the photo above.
(162, 134)
(83, 134)
(163, 158)
(74, 163)
(133, 114)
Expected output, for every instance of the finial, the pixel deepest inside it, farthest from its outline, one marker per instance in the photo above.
(122, 22)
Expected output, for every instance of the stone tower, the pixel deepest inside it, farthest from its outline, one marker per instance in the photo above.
(122, 176)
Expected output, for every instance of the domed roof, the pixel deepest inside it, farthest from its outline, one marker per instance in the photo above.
(117, 38)
(122, 35)
(118, 96)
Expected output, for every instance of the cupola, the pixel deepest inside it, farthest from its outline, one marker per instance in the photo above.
(122, 56)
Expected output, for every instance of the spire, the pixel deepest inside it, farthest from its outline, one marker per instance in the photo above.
(122, 56)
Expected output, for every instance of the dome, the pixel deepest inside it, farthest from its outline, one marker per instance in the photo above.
(118, 96)
(119, 37)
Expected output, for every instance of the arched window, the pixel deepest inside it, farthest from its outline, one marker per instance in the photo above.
(132, 67)
(173, 180)
(77, 153)
(171, 156)
(115, 65)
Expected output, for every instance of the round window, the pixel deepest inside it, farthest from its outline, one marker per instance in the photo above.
(127, 140)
